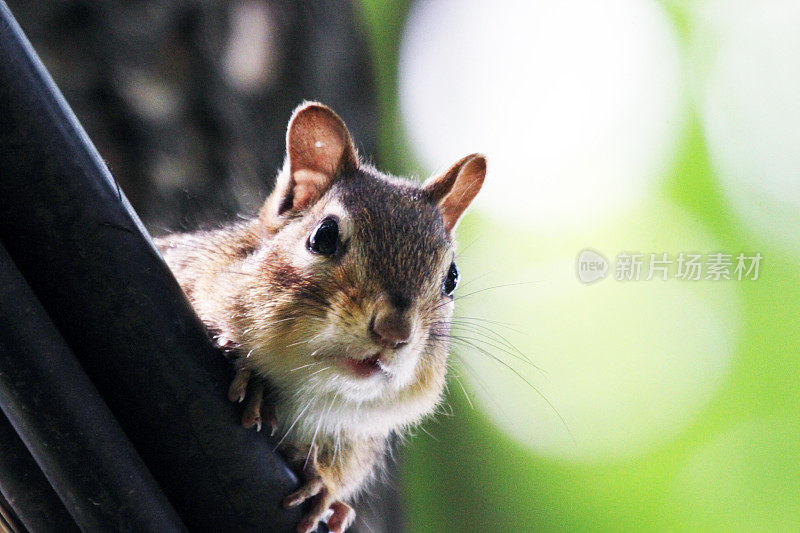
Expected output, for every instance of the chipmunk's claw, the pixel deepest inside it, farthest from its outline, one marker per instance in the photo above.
(311, 488)
(257, 411)
(238, 388)
(307, 525)
(343, 517)
(340, 515)
(321, 507)
(249, 421)
(252, 411)
(268, 416)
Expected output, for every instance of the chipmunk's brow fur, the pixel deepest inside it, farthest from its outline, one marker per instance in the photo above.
(384, 209)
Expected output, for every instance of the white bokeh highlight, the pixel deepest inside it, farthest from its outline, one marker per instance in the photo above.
(577, 104)
(745, 62)
(629, 365)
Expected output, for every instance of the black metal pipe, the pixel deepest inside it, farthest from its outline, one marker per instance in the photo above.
(83, 251)
(64, 423)
(9, 523)
(26, 490)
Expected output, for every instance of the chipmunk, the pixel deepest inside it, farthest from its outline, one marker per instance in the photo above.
(336, 300)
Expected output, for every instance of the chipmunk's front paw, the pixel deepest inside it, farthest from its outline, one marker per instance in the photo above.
(342, 517)
(341, 514)
(257, 411)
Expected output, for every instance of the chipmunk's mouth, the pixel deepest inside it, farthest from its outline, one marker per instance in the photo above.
(362, 368)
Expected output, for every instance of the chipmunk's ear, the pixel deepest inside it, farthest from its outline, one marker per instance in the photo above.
(455, 189)
(318, 150)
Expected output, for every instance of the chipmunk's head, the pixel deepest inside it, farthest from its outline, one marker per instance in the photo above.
(360, 270)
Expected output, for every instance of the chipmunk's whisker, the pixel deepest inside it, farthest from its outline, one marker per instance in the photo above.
(520, 376)
(295, 343)
(460, 384)
(489, 321)
(472, 342)
(318, 371)
(306, 366)
(297, 419)
(482, 385)
(319, 424)
(461, 296)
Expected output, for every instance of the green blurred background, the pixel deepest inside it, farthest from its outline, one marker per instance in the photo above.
(682, 396)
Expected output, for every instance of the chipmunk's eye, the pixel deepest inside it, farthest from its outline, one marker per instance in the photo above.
(324, 239)
(451, 281)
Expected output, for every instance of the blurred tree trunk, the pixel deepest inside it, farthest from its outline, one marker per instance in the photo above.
(188, 100)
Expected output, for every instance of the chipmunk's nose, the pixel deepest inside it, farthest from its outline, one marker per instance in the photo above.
(391, 330)
(390, 326)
